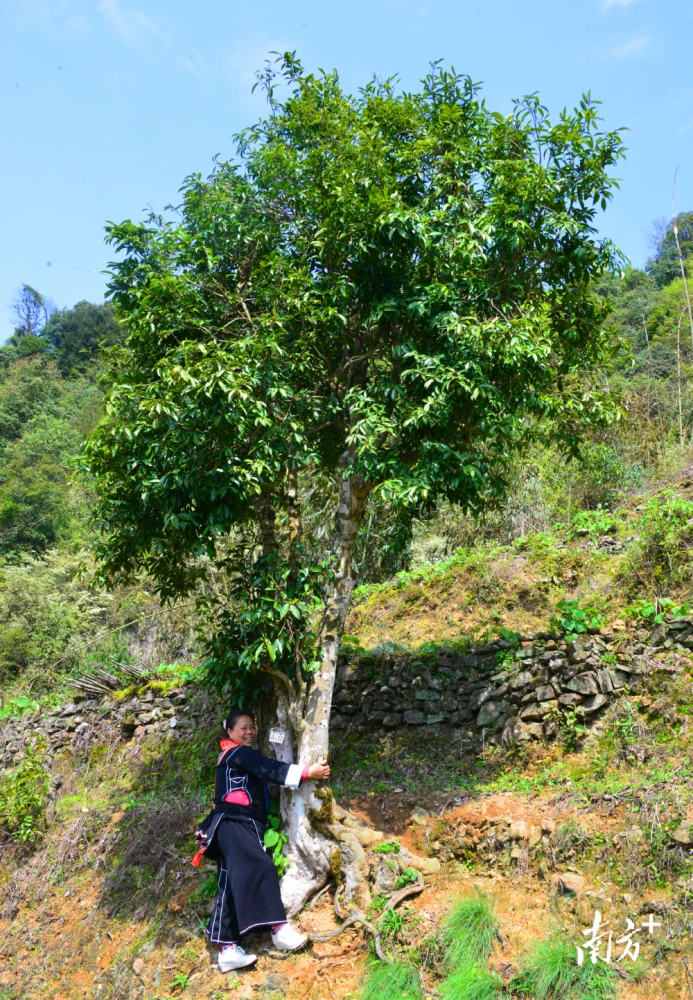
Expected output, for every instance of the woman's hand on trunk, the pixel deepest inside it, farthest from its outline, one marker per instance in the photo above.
(319, 771)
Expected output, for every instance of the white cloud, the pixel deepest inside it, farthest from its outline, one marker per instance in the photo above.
(629, 48)
(617, 3)
(129, 24)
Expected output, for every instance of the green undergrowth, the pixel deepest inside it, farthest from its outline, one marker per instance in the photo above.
(469, 932)
(551, 972)
(397, 981)
(470, 982)
(548, 971)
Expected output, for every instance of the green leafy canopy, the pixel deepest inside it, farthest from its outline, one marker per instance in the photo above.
(391, 284)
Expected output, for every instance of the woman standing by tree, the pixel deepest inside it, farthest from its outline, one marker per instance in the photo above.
(248, 897)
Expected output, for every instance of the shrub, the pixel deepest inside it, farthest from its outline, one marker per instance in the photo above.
(666, 537)
(24, 796)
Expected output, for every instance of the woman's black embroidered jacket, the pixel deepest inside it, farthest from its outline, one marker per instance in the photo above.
(242, 769)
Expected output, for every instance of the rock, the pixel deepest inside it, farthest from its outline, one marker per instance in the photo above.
(489, 713)
(548, 826)
(684, 834)
(569, 700)
(277, 982)
(549, 729)
(516, 853)
(583, 684)
(522, 679)
(392, 721)
(535, 730)
(569, 882)
(414, 717)
(544, 693)
(419, 815)
(428, 866)
(386, 876)
(606, 684)
(515, 731)
(593, 704)
(479, 697)
(532, 711)
(518, 830)
(138, 966)
(376, 717)
(534, 835)
(435, 718)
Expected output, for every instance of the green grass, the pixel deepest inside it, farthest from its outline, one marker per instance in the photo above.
(473, 983)
(398, 981)
(551, 972)
(469, 933)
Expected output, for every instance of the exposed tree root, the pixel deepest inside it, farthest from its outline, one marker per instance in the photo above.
(354, 916)
(409, 890)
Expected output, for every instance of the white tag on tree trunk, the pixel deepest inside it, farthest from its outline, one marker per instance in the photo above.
(277, 736)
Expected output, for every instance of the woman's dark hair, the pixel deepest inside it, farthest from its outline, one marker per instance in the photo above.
(236, 714)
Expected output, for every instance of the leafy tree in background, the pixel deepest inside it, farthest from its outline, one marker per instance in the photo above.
(388, 291)
(664, 266)
(77, 335)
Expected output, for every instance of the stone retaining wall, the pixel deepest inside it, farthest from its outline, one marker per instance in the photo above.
(510, 694)
(506, 693)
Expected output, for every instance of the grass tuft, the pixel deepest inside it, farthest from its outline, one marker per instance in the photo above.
(469, 933)
(552, 973)
(473, 983)
(398, 981)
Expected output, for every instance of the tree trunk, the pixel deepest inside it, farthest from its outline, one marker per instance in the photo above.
(318, 841)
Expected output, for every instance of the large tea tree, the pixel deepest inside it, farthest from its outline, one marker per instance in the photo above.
(385, 294)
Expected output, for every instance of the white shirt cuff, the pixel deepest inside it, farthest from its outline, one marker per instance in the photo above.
(293, 776)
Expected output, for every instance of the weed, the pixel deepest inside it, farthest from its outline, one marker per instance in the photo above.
(551, 972)
(408, 877)
(398, 981)
(469, 932)
(391, 924)
(473, 983)
(275, 839)
(207, 889)
(571, 837)
(570, 729)
(575, 620)
(387, 847)
(180, 981)
(654, 611)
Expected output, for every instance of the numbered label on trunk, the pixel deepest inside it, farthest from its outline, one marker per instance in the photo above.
(277, 736)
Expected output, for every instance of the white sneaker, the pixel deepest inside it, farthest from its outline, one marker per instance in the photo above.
(234, 958)
(287, 938)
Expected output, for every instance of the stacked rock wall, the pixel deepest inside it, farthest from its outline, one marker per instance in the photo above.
(506, 693)
(79, 723)
(510, 694)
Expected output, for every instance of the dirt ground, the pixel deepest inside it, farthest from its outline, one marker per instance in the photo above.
(61, 944)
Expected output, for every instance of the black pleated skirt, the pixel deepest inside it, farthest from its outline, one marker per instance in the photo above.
(248, 898)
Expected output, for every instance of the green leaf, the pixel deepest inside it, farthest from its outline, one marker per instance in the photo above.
(271, 838)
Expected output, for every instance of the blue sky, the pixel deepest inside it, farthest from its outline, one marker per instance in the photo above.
(108, 104)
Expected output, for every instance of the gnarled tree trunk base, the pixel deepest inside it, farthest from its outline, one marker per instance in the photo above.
(324, 841)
